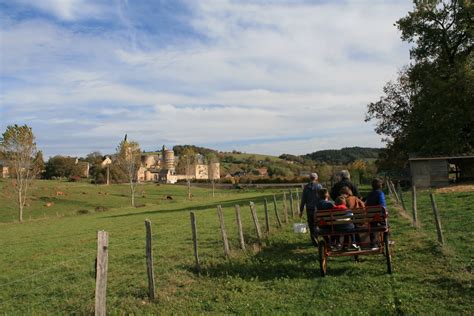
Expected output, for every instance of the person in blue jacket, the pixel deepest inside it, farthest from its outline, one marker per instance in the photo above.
(375, 198)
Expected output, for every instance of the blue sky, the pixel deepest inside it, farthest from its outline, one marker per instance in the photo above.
(257, 76)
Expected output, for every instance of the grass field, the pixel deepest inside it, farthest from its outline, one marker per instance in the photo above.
(47, 264)
(243, 156)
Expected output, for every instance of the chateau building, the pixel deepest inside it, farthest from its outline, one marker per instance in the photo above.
(161, 167)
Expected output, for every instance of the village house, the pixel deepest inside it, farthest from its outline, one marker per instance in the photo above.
(5, 170)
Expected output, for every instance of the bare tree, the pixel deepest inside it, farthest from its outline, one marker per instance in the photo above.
(128, 159)
(186, 162)
(18, 149)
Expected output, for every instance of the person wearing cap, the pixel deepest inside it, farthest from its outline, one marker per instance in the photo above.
(310, 199)
(345, 181)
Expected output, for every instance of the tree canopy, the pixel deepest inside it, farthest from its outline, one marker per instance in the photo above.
(429, 108)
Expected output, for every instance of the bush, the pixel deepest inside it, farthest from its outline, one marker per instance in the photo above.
(74, 179)
(81, 212)
(99, 209)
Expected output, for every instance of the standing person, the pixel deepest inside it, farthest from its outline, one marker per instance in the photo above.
(309, 199)
(345, 181)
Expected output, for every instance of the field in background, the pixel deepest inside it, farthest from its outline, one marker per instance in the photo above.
(47, 265)
(258, 157)
(80, 198)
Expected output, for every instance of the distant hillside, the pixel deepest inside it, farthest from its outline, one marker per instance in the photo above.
(344, 155)
(178, 149)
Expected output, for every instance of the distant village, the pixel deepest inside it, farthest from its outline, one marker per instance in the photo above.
(155, 167)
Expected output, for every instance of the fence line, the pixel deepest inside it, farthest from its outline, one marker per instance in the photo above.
(90, 255)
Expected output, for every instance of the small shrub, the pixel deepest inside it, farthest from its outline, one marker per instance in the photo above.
(81, 212)
(101, 209)
(74, 179)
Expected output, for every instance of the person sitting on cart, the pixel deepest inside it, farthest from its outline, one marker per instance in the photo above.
(352, 201)
(324, 200)
(376, 198)
(340, 204)
(345, 181)
(324, 203)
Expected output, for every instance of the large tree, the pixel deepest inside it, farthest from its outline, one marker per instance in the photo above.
(18, 149)
(428, 109)
(128, 159)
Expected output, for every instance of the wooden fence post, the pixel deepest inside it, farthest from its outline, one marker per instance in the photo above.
(239, 227)
(389, 187)
(101, 274)
(402, 202)
(223, 231)
(267, 220)
(255, 221)
(291, 205)
(394, 192)
(413, 205)
(285, 208)
(437, 219)
(195, 242)
(276, 211)
(149, 262)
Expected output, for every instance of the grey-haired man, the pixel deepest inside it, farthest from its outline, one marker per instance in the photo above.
(345, 181)
(310, 199)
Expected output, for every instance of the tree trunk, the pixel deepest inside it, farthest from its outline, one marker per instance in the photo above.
(132, 190)
(20, 204)
(189, 189)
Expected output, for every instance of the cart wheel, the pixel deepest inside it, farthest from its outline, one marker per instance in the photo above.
(387, 253)
(323, 261)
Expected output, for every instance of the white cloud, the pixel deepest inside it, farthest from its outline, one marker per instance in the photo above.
(68, 10)
(262, 72)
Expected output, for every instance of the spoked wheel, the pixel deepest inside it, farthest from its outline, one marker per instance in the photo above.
(323, 261)
(387, 253)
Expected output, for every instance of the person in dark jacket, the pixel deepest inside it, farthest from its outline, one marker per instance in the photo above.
(345, 181)
(310, 199)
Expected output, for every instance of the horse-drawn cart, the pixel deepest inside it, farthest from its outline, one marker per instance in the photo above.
(368, 227)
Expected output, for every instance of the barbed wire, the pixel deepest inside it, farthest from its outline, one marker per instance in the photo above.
(57, 265)
(91, 295)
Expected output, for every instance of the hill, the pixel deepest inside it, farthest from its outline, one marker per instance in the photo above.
(343, 156)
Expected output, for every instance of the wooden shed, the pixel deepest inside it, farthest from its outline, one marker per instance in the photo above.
(440, 171)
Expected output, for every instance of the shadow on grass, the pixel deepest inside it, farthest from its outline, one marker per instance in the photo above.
(275, 261)
(224, 204)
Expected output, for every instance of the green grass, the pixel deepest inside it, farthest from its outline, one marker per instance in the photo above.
(456, 211)
(243, 156)
(51, 262)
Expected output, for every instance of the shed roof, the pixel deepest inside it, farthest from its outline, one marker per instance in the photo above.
(469, 156)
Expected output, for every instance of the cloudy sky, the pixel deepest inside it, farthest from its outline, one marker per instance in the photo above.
(283, 76)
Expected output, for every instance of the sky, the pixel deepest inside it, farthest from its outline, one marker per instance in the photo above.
(273, 77)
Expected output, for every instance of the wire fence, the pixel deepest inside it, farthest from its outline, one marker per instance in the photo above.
(31, 290)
